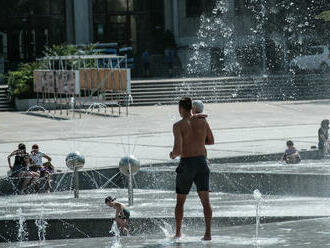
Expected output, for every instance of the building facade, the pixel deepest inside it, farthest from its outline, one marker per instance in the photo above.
(249, 34)
(252, 36)
(27, 26)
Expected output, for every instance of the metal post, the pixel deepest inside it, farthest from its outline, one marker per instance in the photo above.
(76, 182)
(127, 96)
(72, 100)
(130, 186)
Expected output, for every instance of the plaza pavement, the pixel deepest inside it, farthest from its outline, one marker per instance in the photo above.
(239, 129)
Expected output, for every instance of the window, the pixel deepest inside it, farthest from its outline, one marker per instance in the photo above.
(99, 6)
(1, 45)
(240, 7)
(193, 8)
(117, 5)
(57, 7)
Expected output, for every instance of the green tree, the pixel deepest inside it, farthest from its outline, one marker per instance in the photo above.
(325, 15)
(20, 82)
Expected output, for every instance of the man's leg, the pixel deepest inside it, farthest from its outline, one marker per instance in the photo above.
(180, 200)
(205, 200)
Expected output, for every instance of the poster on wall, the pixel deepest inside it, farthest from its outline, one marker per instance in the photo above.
(37, 78)
(43, 81)
(67, 82)
(108, 79)
(48, 81)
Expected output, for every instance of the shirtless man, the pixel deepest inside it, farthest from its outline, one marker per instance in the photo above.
(190, 137)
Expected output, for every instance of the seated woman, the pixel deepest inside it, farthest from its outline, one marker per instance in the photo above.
(36, 157)
(31, 177)
(39, 167)
(20, 169)
(291, 155)
(45, 171)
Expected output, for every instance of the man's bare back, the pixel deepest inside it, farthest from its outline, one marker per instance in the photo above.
(193, 134)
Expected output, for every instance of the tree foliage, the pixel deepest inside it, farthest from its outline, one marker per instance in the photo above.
(20, 82)
(325, 15)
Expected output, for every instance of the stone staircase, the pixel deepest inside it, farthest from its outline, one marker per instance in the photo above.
(231, 89)
(158, 67)
(5, 105)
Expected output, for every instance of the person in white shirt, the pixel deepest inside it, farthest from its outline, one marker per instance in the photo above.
(42, 169)
(36, 157)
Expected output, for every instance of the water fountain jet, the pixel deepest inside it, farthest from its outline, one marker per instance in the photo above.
(258, 198)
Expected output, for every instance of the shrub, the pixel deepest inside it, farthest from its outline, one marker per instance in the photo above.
(20, 82)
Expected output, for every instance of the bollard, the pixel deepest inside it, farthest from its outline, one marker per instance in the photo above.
(129, 166)
(74, 161)
(76, 183)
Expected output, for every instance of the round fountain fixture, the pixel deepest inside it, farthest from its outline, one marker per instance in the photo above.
(198, 105)
(257, 195)
(129, 161)
(75, 161)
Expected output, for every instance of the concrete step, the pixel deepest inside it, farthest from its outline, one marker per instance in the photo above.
(168, 91)
(5, 105)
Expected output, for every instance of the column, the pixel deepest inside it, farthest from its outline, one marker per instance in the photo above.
(175, 19)
(82, 21)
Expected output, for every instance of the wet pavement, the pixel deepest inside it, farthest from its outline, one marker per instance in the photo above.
(239, 129)
(304, 233)
(156, 204)
(307, 167)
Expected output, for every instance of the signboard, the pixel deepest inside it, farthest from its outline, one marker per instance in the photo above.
(56, 81)
(67, 82)
(107, 79)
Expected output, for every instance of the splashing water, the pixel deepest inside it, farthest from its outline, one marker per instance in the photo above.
(42, 226)
(22, 234)
(167, 230)
(215, 29)
(116, 233)
(257, 195)
(258, 198)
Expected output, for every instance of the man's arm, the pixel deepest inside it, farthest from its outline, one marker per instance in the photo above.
(209, 135)
(199, 115)
(9, 156)
(46, 157)
(177, 148)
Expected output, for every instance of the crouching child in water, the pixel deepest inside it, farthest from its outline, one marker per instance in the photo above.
(122, 213)
(291, 155)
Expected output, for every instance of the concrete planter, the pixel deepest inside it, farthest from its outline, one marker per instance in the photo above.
(24, 104)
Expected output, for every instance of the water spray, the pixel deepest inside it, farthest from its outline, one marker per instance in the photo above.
(258, 198)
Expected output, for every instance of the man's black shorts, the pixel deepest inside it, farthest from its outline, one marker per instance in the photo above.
(193, 169)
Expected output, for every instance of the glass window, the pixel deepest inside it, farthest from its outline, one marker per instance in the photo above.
(57, 6)
(193, 8)
(41, 7)
(99, 6)
(1, 44)
(118, 19)
(117, 5)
